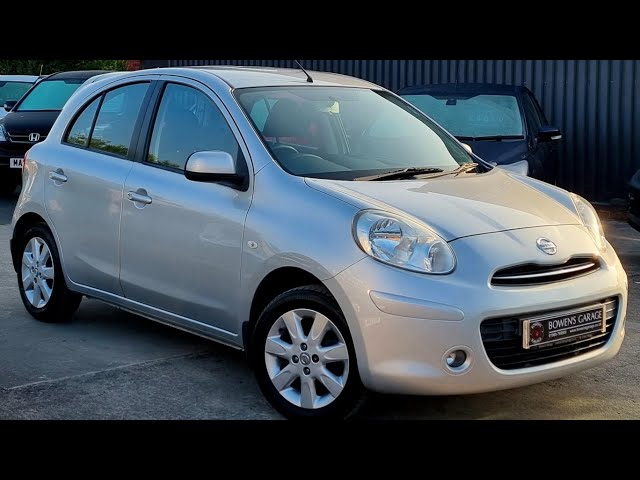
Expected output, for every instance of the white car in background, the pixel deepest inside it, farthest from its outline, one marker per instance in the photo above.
(12, 88)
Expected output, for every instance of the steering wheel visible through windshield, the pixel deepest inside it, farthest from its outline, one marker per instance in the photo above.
(345, 133)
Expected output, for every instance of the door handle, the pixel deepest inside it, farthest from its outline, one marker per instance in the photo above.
(58, 176)
(138, 197)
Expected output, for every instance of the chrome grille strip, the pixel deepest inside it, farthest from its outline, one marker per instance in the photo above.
(550, 273)
(610, 309)
(24, 138)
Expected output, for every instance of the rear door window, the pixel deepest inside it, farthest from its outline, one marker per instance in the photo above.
(113, 130)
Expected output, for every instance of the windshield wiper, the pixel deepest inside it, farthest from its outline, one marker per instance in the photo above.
(497, 138)
(400, 174)
(464, 168)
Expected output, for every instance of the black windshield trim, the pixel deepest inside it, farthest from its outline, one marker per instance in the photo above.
(490, 137)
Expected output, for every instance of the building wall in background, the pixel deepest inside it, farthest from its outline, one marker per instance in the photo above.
(596, 103)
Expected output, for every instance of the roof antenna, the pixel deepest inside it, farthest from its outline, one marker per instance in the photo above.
(41, 65)
(309, 79)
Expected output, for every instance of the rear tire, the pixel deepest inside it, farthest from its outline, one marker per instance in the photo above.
(303, 356)
(41, 281)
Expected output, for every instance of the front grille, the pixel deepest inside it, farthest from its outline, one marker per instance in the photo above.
(502, 339)
(536, 274)
(24, 138)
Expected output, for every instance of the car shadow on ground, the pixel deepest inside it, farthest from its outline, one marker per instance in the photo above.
(7, 204)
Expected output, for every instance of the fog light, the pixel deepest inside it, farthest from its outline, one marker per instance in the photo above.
(456, 358)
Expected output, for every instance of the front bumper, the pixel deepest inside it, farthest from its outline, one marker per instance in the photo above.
(401, 343)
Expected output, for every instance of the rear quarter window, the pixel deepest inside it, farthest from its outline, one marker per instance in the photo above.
(80, 129)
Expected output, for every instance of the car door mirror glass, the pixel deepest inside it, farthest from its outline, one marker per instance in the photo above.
(8, 105)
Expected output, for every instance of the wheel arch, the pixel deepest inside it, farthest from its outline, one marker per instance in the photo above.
(273, 284)
(22, 225)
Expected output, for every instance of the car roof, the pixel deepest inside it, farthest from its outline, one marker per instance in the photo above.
(247, 76)
(463, 88)
(77, 74)
(19, 78)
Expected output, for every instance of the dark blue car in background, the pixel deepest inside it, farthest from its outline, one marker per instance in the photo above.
(634, 201)
(503, 124)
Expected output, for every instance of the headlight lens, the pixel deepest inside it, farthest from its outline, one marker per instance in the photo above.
(3, 136)
(402, 243)
(590, 219)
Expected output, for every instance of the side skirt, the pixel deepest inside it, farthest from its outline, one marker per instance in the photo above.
(162, 316)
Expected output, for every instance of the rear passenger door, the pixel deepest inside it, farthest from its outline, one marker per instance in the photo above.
(83, 191)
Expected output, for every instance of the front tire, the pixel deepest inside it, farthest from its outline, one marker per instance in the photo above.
(303, 356)
(41, 282)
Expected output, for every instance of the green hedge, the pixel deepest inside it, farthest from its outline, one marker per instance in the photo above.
(32, 67)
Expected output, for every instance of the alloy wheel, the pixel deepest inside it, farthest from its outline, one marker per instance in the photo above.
(307, 358)
(37, 272)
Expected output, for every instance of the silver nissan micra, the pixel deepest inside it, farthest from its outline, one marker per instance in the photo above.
(319, 222)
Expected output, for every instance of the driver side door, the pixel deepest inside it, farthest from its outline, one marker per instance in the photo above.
(182, 239)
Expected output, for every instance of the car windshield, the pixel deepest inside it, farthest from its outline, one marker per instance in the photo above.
(12, 91)
(475, 116)
(346, 133)
(49, 95)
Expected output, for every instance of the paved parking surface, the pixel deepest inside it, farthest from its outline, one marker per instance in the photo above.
(109, 364)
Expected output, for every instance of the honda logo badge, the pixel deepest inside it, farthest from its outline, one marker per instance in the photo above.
(34, 137)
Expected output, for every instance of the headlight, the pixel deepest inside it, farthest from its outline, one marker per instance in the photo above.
(3, 135)
(590, 219)
(402, 243)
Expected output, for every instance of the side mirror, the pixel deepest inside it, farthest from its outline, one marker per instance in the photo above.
(547, 134)
(213, 166)
(467, 147)
(9, 104)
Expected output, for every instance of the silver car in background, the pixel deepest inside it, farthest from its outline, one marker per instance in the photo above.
(320, 223)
